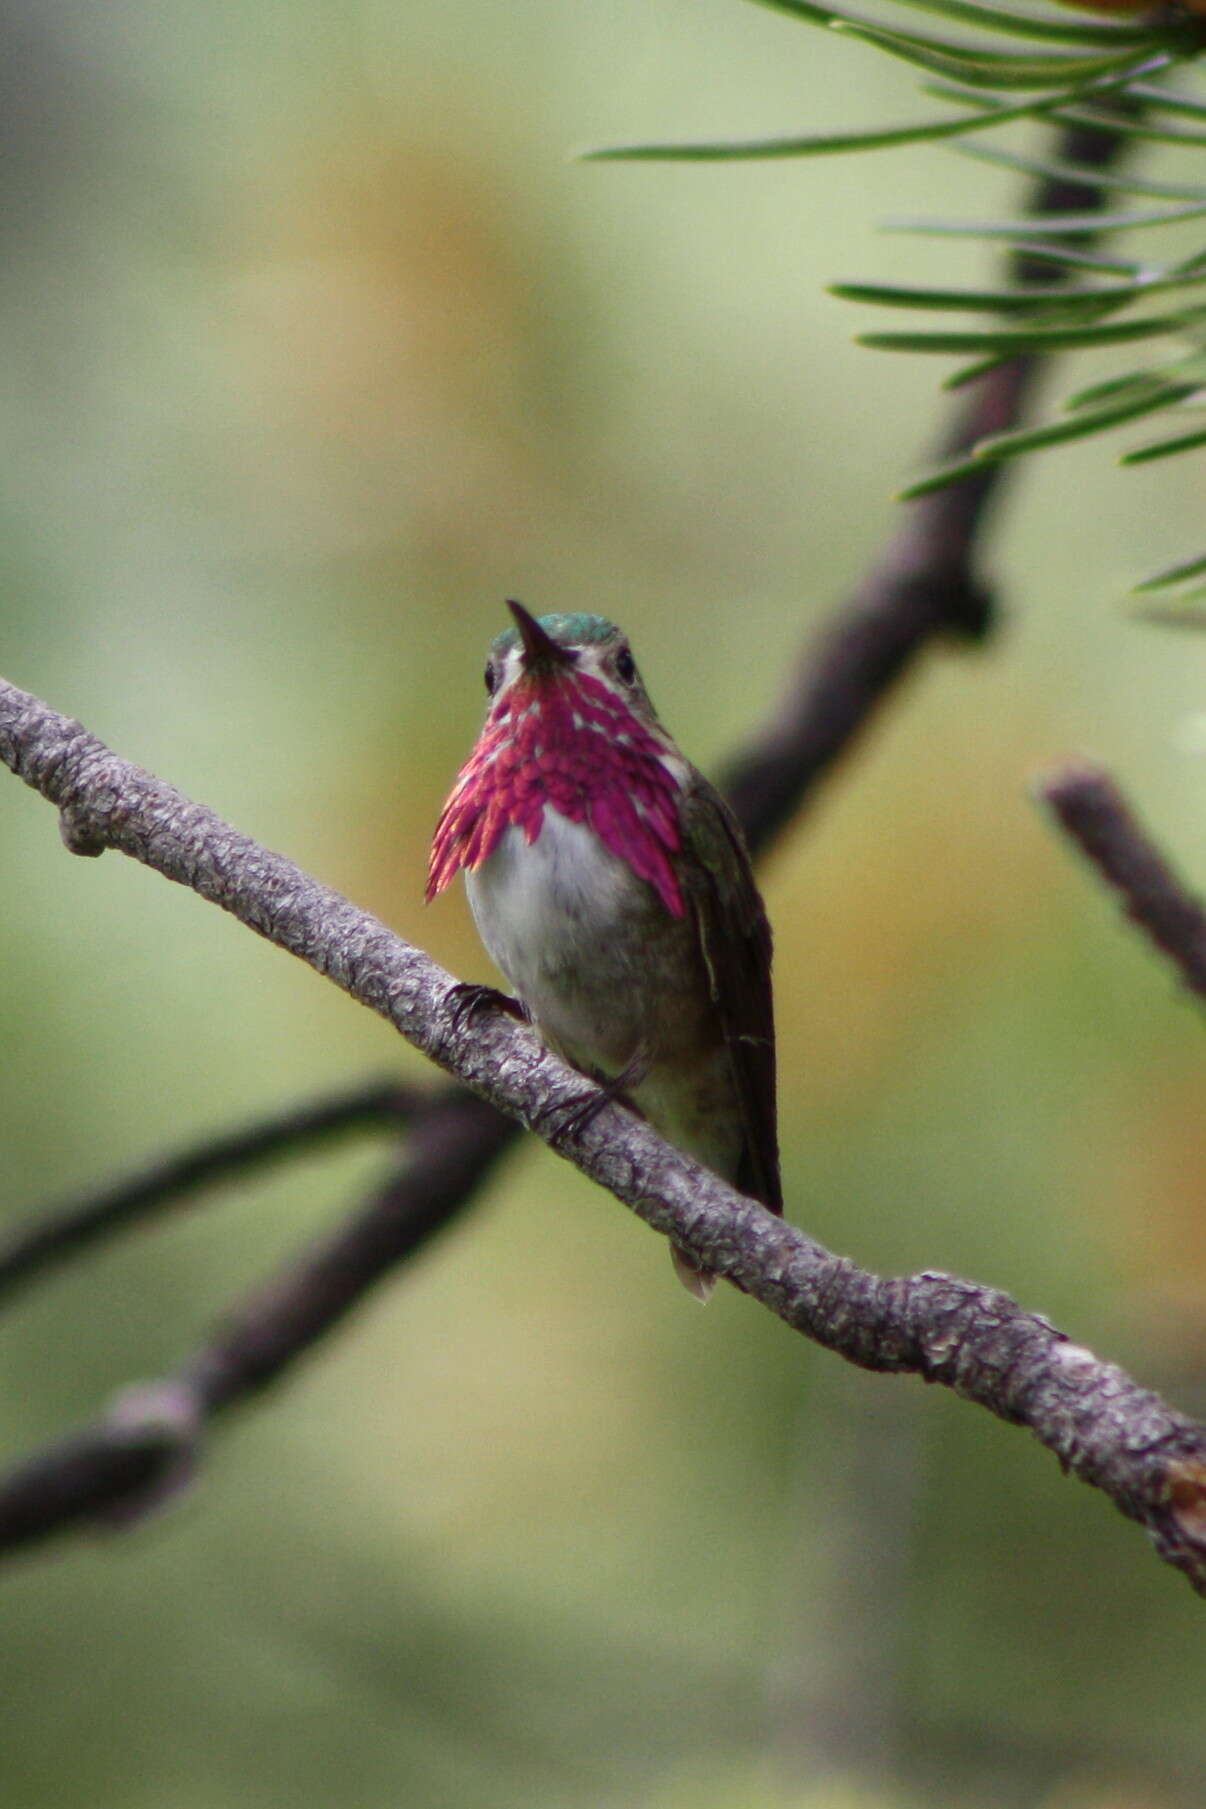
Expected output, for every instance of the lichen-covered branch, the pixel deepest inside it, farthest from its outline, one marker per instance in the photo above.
(1149, 1459)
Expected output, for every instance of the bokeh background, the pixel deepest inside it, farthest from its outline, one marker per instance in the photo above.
(315, 344)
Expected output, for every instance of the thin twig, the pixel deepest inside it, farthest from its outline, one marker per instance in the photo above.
(54, 1233)
(924, 585)
(1149, 1459)
(146, 1446)
(448, 1154)
(1089, 807)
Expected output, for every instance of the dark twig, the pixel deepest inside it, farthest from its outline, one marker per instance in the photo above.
(1089, 807)
(1149, 1459)
(52, 1235)
(448, 1154)
(145, 1447)
(924, 585)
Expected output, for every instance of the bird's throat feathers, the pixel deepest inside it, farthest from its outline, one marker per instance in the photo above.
(565, 740)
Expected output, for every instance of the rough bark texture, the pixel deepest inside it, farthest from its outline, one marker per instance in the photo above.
(1101, 1425)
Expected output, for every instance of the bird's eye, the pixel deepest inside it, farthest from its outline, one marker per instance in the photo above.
(625, 666)
(491, 678)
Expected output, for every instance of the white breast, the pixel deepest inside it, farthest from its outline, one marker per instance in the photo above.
(548, 913)
(541, 907)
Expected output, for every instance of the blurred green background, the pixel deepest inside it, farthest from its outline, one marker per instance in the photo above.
(315, 343)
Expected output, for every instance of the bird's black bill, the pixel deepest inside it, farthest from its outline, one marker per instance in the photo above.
(540, 651)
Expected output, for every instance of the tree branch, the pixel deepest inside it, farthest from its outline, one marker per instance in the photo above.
(925, 584)
(922, 586)
(146, 1446)
(51, 1235)
(1090, 808)
(1149, 1459)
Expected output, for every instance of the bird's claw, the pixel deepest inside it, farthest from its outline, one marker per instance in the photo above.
(466, 1000)
(568, 1118)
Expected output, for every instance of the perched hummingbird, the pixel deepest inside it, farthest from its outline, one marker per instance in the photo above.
(611, 884)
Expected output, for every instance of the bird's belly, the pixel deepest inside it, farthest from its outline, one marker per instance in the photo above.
(692, 1103)
(590, 949)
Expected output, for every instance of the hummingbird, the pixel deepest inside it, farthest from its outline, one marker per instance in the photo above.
(611, 884)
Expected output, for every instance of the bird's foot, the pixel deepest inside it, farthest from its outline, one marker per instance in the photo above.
(466, 1000)
(569, 1118)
